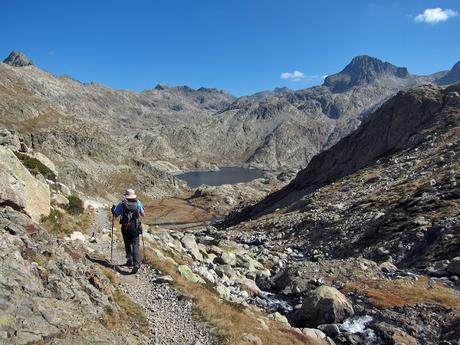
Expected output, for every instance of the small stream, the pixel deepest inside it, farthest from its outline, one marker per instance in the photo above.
(360, 325)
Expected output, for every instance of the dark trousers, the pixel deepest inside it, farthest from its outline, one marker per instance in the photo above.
(133, 252)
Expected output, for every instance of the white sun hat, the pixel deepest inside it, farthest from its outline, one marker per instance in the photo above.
(129, 194)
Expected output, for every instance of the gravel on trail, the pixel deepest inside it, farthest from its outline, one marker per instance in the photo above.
(170, 315)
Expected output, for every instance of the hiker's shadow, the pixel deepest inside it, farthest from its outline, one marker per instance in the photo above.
(117, 268)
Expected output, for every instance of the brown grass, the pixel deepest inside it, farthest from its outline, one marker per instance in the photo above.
(61, 223)
(46, 119)
(131, 314)
(122, 179)
(111, 319)
(110, 274)
(231, 321)
(391, 293)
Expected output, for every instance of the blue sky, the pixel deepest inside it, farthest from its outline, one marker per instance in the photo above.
(242, 46)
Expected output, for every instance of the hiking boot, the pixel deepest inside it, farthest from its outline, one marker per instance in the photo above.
(129, 264)
(135, 270)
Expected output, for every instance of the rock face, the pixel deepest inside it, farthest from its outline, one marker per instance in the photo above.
(451, 77)
(20, 189)
(18, 59)
(362, 70)
(325, 305)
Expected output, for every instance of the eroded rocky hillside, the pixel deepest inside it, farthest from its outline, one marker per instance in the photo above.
(376, 216)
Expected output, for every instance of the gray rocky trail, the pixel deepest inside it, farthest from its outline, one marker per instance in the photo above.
(170, 316)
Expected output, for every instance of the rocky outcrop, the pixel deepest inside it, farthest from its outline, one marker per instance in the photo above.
(20, 189)
(18, 59)
(9, 139)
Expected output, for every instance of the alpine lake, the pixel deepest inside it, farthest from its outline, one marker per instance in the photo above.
(225, 175)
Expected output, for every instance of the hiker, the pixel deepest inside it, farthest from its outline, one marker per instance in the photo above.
(130, 209)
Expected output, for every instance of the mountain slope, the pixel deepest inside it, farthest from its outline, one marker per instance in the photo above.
(389, 188)
(451, 77)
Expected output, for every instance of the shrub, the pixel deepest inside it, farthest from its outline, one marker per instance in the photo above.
(35, 166)
(75, 205)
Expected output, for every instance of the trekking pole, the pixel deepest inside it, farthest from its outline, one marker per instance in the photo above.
(111, 243)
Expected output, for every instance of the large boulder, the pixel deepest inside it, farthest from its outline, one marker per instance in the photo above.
(324, 305)
(188, 274)
(59, 200)
(318, 336)
(226, 258)
(454, 266)
(20, 188)
(189, 243)
(11, 190)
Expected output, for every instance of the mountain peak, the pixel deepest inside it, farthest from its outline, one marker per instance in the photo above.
(18, 59)
(363, 69)
(161, 86)
(453, 76)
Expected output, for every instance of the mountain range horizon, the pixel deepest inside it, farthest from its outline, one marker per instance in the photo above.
(19, 59)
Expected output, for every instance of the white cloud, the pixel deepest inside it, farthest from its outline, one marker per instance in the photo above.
(435, 15)
(299, 76)
(294, 76)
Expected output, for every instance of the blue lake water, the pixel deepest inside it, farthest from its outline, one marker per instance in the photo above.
(218, 178)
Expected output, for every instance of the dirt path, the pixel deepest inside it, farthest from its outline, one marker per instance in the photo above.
(170, 317)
